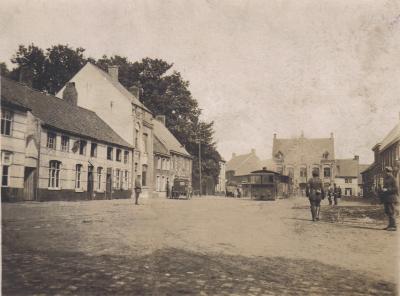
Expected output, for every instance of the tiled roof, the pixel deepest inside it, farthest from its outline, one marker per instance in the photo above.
(392, 137)
(120, 87)
(244, 164)
(169, 141)
(303, 150)
(346, 168)
(57, 113)
(159, 147)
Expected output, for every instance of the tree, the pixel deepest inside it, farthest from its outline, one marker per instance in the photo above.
(4, 69)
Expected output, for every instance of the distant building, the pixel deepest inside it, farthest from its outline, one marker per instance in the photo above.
(386, 153)
(242, 164)
(171, 160)
(121, 109)
(298, 157)
(361, 169)
(346, 175)
(221, 185)
(52, 149)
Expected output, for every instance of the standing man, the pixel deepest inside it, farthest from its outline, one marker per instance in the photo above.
(330, 193)
(388, 196)
(138, 190)
(337, 192)
(167, 188)
(315, 193)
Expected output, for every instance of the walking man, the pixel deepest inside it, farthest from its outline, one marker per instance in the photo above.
(389, 195)
(138, 190)
(315, 192)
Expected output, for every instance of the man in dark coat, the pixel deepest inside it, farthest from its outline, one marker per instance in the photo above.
(138, 190)
(315, 193)
(389, 195)
(337, 193)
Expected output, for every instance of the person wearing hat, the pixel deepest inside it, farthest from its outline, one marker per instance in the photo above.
(388, 196)
(315, 193)
(138, 190)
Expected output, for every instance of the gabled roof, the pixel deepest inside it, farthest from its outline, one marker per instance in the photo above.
(169, 141)
(244, 164)
(119, 87)
(303, 149)
(392, 137)
(59, 114)
(347, 168)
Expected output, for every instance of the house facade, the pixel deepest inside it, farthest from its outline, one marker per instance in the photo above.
(346, 175)
(121, 109)
(55, 150)
(221, 185)
(299, 157)
(240, 165)
(171, 160)
(386, 153)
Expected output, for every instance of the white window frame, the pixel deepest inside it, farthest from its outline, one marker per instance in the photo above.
(54, 175)
(64, 146)
(51, 142)
(78, 176)
(7, 116)
(99, 177)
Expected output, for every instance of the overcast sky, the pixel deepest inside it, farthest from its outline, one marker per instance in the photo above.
(256, 67)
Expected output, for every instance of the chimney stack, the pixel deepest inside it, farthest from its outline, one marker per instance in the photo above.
(70, 95)
(113, 72)
(161, 118)
(331, 135)
(253, 151)
(356, 157)
(135, 91)
(233, 155)
(274, 135)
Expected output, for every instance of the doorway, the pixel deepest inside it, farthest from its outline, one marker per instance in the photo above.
(90, 182)
(108, 183)
(29, 183)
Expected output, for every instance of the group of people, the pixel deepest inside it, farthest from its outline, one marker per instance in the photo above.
(388, 194)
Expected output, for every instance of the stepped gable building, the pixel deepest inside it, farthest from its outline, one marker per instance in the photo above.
(52, 149)
(298, 157)
(171, 160)
(240, 165)
(386, 153)
(121, 109)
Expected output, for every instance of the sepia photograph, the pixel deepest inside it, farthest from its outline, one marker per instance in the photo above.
(200, 147)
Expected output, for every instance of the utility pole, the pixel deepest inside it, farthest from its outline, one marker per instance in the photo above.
(199, 165)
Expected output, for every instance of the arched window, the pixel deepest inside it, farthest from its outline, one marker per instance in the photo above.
(54, 174)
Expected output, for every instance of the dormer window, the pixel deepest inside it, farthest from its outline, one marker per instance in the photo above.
(325, 155)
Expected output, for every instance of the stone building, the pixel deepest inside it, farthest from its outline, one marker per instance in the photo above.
(386, 153)
(243, 164)
(298, 157)
(171, 160)
(121, 109)
(54, 150)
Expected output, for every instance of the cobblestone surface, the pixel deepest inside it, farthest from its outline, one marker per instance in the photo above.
(209, 246)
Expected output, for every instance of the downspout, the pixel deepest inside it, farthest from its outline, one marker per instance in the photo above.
(39, 129)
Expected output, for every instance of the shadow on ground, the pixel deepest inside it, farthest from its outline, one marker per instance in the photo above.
(178, 272)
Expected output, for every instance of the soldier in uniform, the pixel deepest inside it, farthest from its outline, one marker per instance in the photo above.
(315, 193)
(388, 195)
(138, 190)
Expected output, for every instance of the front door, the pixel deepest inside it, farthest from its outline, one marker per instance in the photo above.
(90, 182)
(29, 183)
(109, 182)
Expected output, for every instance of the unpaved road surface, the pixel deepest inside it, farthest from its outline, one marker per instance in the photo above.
(204, 246)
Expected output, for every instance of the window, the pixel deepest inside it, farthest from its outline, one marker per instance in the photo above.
(316, 170)
(54, 174)
(6, 122)
(118, 156)
(109, 153)
(99, 174)
(93, 150)
(145, 144)
(51, 140)
(158, 184)
(137, 138)
(117, 179)
(78, 171)
(6, 160)
(303, 172)
(348, 180)
(162, 163)
(291, 172)
(327, 172)
(144, 175)
(136, 166)
(64, 143)
(126, 156)
(82, 147)
(126, 180)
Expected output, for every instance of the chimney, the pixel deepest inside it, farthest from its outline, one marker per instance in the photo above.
(70, 95)
(233, 155)
(161, 118)
(331, 135)
(25, 76)
(356, 157)
(253, 151)
(274, 135)
(113, 72)
(135, 91)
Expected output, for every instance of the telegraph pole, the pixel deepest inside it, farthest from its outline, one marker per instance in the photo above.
(199, 166)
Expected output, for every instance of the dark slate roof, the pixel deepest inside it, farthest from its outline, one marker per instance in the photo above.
(59, 114)
(346, 167)
(244, 164)
(169, 141)
(303, 149)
